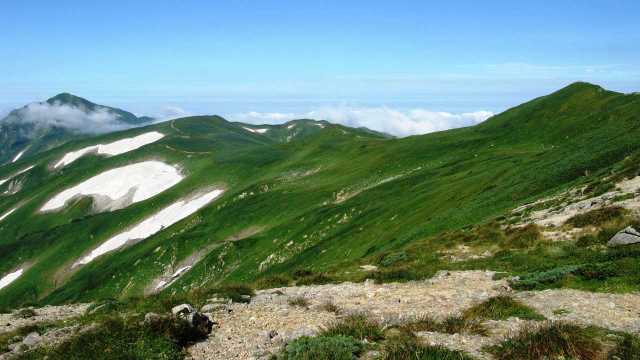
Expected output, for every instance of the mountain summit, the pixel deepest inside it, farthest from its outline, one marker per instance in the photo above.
(40, 126)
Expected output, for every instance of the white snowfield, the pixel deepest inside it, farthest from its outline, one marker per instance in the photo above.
(9, 278)
(118, 188)
(17, 157)
(257, 131)
(3, 216)
(2, 181)
(111, 149)
(174, 277)
(157, 222)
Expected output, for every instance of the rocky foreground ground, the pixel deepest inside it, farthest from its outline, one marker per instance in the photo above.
(255, 330)
(273, 317)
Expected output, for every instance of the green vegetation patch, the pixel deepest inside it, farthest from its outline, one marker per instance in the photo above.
(408, 347)
(322, 348)
(502, 308)
(551, 341)
(357, 326)
(597, 217)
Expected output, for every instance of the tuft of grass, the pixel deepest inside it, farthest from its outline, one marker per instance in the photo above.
(298, 301)
(329, 306)
(523, 237)
(597, 217)
(461, 325)
(450, 325)
(628, 348)
(357, 326)
(322, 348)
(551, 341)
(407, 347)
(236, 292)
(502, 308)
(272, 281)
(25, 313)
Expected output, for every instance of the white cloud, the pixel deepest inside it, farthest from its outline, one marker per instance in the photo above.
(389, 120)
(173, 112)
(69, 117)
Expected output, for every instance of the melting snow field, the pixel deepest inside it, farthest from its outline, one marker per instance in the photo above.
(2, 181)
(258, 131)
(9, 278)
(117, 188)
(17, 157)
(111, 149)
(157, 222)
(3, 216)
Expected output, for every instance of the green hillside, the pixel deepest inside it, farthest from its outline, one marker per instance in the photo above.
(315, 196)
(19, 135)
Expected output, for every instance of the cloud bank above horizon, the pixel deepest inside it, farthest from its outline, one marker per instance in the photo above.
(396, 122)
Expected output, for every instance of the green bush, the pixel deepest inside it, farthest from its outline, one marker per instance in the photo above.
(356, 326)
(408, 348)
(540, 279)
(552, 341)
(394, 275)
(502, 308)
(389, 259)
(322, 348)
(599, 271)
(523, 237)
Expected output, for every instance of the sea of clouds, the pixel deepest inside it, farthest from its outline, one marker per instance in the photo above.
(389, 120)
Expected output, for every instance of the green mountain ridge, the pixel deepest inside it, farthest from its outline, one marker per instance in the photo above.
(315, 196)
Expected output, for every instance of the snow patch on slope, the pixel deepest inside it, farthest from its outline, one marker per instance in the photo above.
(257, 131)
(157, 222)
(118, 188)
(111, 149)
(2, 181)
(3, 216)
(17, 157)
(9, 278)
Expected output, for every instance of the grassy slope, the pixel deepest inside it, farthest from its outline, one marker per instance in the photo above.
(405, 190)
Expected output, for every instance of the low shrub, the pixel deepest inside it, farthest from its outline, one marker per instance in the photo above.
(113, 338)
(389, 259)
(628, 348)
(551, 341)
(315, 279)
(328, 306)
(25, 313)
(273, 281)
(523, 237)
(598, 271)
(322, 348)
(406, 347)
(541, 279)
(450, 325)
(394, 275)
(298, 301)
(356, 326)
(237, 293)
(502, 308)
(597, 217)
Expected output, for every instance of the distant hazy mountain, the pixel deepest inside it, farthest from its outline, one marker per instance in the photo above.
(41, 126)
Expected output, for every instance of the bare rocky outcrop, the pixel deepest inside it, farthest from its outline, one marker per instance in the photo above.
(627, 236)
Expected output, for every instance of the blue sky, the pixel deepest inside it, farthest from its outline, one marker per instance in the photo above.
(298, 56)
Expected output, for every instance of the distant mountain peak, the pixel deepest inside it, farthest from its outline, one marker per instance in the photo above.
(70, 99)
